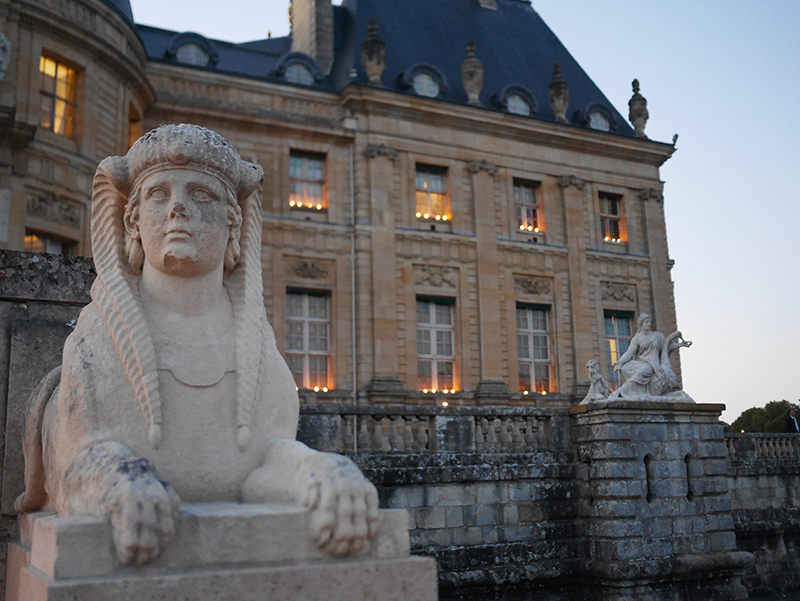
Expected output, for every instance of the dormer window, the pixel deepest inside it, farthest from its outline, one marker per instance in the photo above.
(192, 54)
(516, 104)
(599, 121)
(425, 85)
(297, 73)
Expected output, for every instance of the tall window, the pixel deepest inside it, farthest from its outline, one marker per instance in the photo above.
(611, 217)
(44, 243)
(307, 181)
(435, 345)
(432, 193)
(58, 97)
(308, 339)
(618, 339)
(533, 347)
(526, 205)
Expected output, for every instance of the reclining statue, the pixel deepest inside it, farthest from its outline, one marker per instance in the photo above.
(172, 388)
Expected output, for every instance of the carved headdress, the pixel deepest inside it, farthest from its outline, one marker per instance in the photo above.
(116, 290)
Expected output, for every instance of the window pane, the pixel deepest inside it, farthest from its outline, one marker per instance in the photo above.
(318, 337)
(295, 363)
(423, 312)
(444, 343)
(318, 307)
(294, 336)
(424, 373)
(307, 332)
(424, 342)
(522, 346)
(294, 305)
(296, 167)
(444, 315)
(444, 376)
(48, 107)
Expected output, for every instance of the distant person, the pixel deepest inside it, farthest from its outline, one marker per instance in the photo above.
(791, 423)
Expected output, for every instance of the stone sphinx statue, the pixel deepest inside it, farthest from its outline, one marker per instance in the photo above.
(645, 366)
(598, 388)
(172, 388)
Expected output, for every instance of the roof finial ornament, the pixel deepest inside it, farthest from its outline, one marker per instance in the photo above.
(373, 54)
(638, 114)
(472, 75)
(559, 95)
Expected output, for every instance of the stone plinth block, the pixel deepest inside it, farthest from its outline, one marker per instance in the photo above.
(220, 551)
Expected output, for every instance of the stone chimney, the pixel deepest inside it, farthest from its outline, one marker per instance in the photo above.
(559, 95)
(373, 54)
(312, 30)
(472, 75)
(638, 114)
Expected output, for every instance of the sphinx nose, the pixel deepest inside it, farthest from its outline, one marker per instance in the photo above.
(178, 208)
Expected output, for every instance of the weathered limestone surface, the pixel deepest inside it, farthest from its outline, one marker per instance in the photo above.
(220, 552)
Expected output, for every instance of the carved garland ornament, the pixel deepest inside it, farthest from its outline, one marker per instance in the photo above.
(530, 285)
(381, 150)
(54, 210)
(565, 181)
(436, 276)
(477, 166)
(309, 270)
(618, 292)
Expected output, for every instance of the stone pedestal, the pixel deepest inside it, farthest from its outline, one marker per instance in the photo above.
(220, 552)
(655, 510)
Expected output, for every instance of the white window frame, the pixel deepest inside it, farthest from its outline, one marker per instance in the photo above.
(533, 328)
(58, 96)
(527, 214)
(306, 175)
(436, 344)
(301, 356)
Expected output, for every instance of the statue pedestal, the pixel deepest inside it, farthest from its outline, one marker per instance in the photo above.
(220, 551)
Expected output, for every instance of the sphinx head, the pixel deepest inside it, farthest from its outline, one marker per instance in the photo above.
(184, 185)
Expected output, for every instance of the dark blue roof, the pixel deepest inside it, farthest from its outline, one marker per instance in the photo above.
(514, 44)
(123, 7)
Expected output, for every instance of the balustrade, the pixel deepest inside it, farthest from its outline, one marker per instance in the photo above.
(758, 445)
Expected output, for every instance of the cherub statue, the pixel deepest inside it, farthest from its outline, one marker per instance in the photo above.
(172, 388)
(598, 389)
(645, 365)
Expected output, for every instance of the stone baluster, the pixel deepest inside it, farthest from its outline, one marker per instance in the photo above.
(730, 443)
(422, 434)
(408, 435)
(348, 434)
(479, 440)
(770, 446)
(505, 434)
(364, 439)
(531, 427)
(380, 443)
(541, 434)
(491, 436)
(516, 435)
(395, 440)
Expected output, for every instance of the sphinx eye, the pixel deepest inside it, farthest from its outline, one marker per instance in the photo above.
(157, 193)
(203, 195)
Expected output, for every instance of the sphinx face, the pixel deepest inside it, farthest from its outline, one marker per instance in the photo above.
(183, 222)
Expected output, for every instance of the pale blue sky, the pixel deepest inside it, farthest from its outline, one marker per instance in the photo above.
(724, 75)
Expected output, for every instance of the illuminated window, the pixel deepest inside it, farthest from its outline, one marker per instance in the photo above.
(533, 349)
(297, 73)
(58, 97)
(432, 193)
(134, 125)
(435, 345)
(618, 339)
(599, 121)
(44, 243)
(308, 339)
(307, 181)
(192, 54)
(425, 85)
(526, 205)
(518, 105)
(611, 217)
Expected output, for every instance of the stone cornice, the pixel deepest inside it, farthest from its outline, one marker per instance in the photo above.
(482, 120)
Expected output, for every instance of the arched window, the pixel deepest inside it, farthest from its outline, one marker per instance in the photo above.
(516, 104)
(192, 54)
(425, 85)
(424, 80)
(599, 121)
(297, 73)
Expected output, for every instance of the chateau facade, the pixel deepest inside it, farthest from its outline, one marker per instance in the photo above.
(462, 220)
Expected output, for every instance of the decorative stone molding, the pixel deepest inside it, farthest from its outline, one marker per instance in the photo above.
(381, 150)
(559, 95)
(565, 181)
(436, 276)
(651, 193)
(618, 292)
(308, 270)
(472, 75)
(638, 114)
(373, 54)
(52, 209)
(476, 166)
(5, 53)
(532, 285)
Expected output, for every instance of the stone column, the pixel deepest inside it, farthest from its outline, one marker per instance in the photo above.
(491, 387)
(385, 384)
(654, 504)
(575, 191)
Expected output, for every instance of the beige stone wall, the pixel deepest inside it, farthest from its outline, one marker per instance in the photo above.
(46, 179)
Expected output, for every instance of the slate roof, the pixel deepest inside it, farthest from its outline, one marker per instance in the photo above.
(123, 7)
(514, 44)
